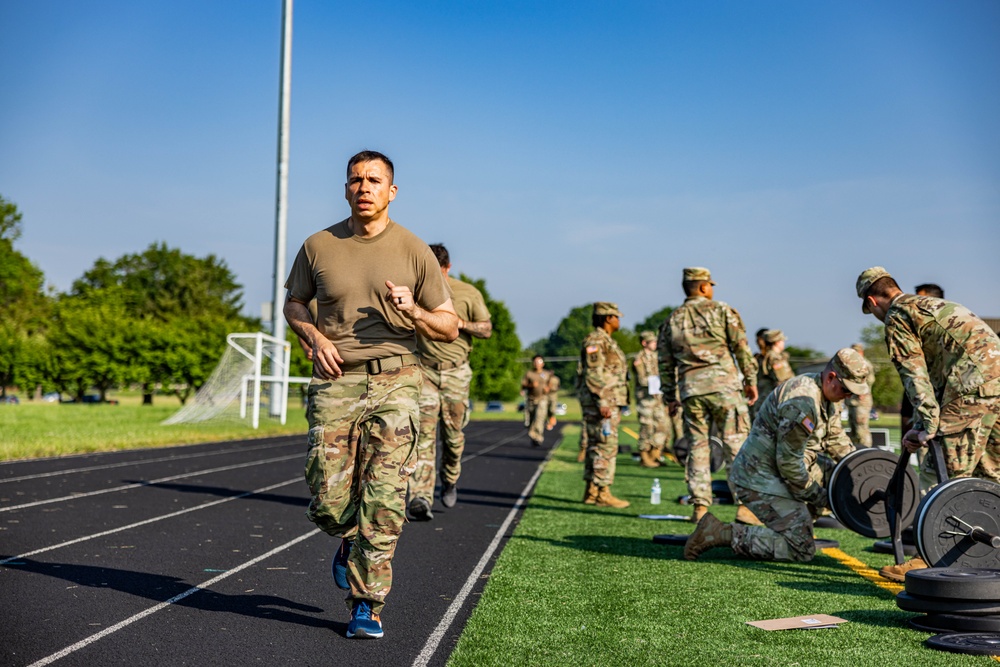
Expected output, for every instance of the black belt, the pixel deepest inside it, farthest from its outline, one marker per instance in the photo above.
(441, 365)
(376, 366)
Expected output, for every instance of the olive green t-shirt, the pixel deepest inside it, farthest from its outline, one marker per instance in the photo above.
(346, 275)
(470, 306)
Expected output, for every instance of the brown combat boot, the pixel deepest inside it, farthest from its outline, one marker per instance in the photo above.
(698, 513)
(590, 494)
(709, 534)
(605, 499)
(898, 572)
(746, 517)
(581, 456)
(655, 454)
(646, 460)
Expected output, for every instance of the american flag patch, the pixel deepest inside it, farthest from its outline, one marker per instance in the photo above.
(591, 349)
(808, 423)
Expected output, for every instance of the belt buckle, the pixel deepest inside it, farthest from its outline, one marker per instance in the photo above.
(373, 366)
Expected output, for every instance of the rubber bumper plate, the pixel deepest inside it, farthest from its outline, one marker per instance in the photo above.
(909, 602)
(955, 623)
(679, 540)
(946, 516)
(857, 490)
(885, 547)
(954, 583)
(972, 643)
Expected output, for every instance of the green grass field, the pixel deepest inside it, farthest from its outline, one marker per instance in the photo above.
(578, 585)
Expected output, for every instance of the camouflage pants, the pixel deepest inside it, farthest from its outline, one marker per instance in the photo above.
(787, 533)
(362, 435)
(728, 412)
(859, 409)
(442, 402)
(602, 450)
(536, 413)
(654, 423)
(969, 433)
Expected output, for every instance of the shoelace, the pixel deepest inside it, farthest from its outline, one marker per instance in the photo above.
(363, 612)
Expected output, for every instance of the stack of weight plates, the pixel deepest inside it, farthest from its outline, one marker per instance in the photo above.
(962, 604)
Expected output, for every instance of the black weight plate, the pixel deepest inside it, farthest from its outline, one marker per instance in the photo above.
(885, 547)
(955, 623)
(971, 643)
(829, 522)
(855, 488)
(827, 544)
(720, 489)
(973, 501)
(954, 583)
(718, 460)
(908, 602)
(671, 540)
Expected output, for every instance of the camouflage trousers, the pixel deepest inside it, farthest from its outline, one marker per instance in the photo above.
(859, 410)
(443, 402)
(536, 413)
(969, 433)
(655, 427)
(787, 533)
(728, 413)
(362, 436)
(602, 450)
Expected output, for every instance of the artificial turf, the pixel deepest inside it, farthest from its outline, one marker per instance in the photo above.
(578, 585)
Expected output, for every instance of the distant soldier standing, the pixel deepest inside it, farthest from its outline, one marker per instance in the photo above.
(859, 407)
(697, 347)
(603, 390)
(445, 395)
(774, 367)
(535, 384)
(554, 383)
(796, 436)
(949, 362)
(654, 422)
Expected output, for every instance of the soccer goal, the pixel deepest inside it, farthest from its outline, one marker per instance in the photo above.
(252, 376)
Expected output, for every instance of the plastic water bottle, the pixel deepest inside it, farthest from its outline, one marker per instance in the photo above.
(654, 494)
(606, 427)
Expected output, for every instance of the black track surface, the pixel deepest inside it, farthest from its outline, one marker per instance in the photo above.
(283, 610)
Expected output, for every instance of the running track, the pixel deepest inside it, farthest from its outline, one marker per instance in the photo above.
(201, 555)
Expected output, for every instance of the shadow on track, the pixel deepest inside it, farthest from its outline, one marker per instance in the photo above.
(224, 492)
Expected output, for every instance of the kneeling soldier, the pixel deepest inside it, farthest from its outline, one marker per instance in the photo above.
(776, 471)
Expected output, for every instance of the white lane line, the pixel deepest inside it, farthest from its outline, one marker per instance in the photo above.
(163, 605)
(141, 462)
(449, 616)
(489, 449)
(149, 482)
(263, 489)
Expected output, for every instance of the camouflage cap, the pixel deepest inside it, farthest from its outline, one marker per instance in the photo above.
(606, 308)
(647, 336)
(852, 370)
(693, 273)
(865, 280)
(773, 336)
(858, 347)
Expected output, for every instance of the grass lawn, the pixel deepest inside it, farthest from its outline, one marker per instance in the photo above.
(578, 585)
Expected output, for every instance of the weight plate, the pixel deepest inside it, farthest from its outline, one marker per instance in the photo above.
(857, 489)
(885, 547)
(972, 643)
(828, 522)
(955, 623)
(941, 518)
(671, 540)
(827, 544)
(720, 489)
(954, 583)
(718, 461)
(908, 602)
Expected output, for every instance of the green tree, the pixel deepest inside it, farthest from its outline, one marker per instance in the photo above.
(654, 321)
(887, 392)
(496, 374)
(804, 356)
(10, 220)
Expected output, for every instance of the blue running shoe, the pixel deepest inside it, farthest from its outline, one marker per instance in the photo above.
(340, 564)
(364, 624)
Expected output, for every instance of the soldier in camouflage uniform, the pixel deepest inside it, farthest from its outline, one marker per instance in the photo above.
(603, 391)
(654, 422)
(376, 284)
(553, 402)
(795, 440)
(949, 362)
(774, 367)
(859, 408)
(444, 398)
(535, 384)
(697, 347)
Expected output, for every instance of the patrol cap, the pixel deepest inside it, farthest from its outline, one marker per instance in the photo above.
(859, 347)
(865, 280)
(647, 336)
(773, 336)
(606, 308)
(693, 273)
(852, 370)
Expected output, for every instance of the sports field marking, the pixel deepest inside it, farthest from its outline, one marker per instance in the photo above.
(449, 615)
(149, 482)
(136, 463)
(263, 489)
(864, 570)
(163, 605)
(489, 449)
(631, 432)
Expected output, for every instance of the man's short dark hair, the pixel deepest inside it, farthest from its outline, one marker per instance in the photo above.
(930, 289)
(760, 332)
(883, 287)
(537, 356)
(371, 156)
(444, 260)
(691, 286)
(598, 321)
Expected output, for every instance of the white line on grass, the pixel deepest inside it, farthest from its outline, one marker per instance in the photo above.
(149, 482)
(163, 605)
(139, 462)
(449, 615)
(148, 521)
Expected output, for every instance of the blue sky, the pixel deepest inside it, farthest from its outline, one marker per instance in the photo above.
(565, 151)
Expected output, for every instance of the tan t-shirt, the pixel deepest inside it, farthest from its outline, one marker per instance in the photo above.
(346, 275)
(471, 307)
